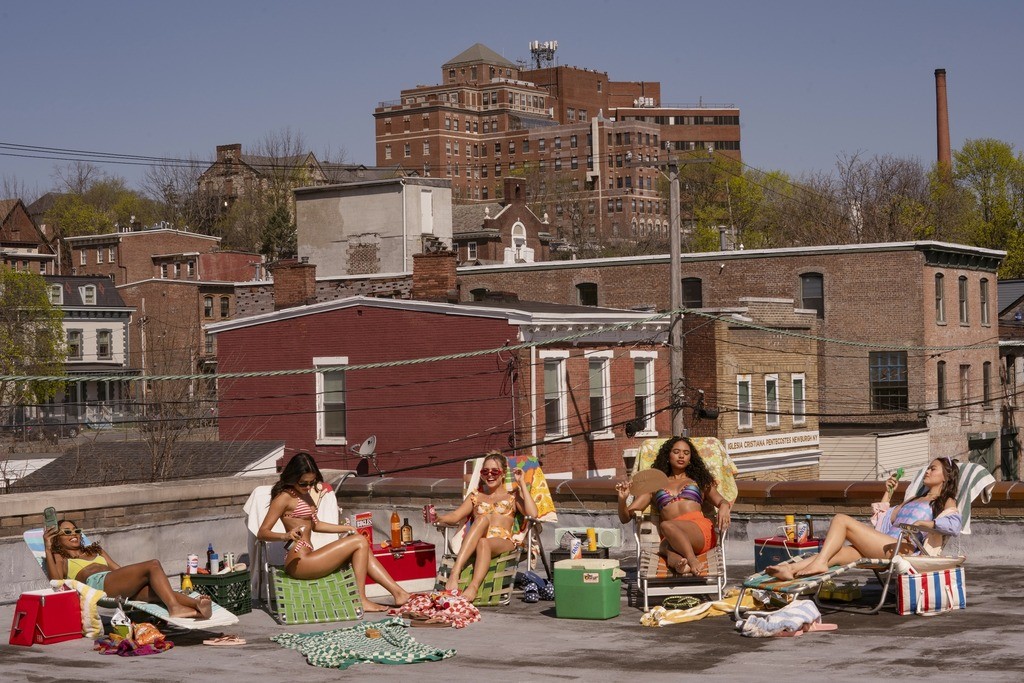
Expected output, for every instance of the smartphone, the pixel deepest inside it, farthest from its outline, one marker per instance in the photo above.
(50, 517)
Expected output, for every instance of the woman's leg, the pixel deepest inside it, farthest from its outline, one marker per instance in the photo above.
(865, 541)
(485, 549)
(469, 545)
(143, 580)
(683, 537)
(377, 572)
(330, 558)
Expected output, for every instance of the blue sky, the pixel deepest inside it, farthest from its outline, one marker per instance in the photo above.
(813, 80)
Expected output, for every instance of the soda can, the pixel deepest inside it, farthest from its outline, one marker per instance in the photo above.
(192, 565)
(429, 514)
(591, 539)
(575, 549)
(801, 532)
(229, 560)
(790, 527)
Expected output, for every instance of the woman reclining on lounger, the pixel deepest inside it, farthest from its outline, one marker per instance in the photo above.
(685, 531)
(494, 511)
(935, 509)
(294, 500)
(66, 558)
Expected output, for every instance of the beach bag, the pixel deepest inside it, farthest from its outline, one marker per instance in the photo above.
(931, 593)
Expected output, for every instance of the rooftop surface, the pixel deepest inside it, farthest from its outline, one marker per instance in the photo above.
(525, 642)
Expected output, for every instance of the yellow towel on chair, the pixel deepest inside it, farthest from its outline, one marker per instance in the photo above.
(92, 627)
(659, 616)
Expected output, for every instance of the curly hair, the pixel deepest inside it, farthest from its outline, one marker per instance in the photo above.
(55, 547)
(696, 470)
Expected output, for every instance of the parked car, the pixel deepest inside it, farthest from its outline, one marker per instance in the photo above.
(54, 428)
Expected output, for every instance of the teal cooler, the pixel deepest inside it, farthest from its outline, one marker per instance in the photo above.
(587, 589)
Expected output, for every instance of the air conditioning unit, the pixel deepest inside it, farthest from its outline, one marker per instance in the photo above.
(606, 538)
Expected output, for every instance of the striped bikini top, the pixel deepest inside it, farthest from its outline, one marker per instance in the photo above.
(303, 510)
(691, 492)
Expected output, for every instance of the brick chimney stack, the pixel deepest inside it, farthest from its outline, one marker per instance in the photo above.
(225, 152)
(945, 158)
(294, 283)
(433, 276)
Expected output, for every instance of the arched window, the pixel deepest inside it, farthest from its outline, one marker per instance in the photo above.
(812, 293)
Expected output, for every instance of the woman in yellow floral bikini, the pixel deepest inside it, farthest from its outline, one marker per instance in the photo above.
(493, 510)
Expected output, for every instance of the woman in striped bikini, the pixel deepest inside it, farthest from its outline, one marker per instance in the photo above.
(685, 531)
(294, 500)
(936, 509)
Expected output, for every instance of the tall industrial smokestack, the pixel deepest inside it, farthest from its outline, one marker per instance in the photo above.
(945, 158)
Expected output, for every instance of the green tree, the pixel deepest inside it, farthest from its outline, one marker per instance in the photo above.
(279, 236)
(31, 338)
(990, 172)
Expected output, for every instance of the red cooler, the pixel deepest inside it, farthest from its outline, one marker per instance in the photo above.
(776, 549)
(46, 616)
(413, 566)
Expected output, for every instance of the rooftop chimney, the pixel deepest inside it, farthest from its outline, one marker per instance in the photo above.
(942, 126)
(433, 276)
(294, 283)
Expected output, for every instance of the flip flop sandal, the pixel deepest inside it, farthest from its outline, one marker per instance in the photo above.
(224, 641)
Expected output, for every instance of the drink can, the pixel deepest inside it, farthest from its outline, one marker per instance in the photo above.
(429, 514)
(192, 565)
(229, 561)
(575, 549)
(790, 527)
(591, 539)
(801, 532)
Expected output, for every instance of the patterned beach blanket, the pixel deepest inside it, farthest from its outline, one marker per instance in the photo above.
(341, 648)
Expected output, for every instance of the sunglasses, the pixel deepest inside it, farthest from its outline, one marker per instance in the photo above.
(71, 532)
(305, 484)
(486, 472)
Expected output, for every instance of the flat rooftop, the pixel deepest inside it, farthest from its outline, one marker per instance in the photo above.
(525, 642)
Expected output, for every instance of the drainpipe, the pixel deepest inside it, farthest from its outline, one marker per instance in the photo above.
(533, 400)
(405, 231)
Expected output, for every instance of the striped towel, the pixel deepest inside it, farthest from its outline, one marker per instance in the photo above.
(793, 617)
(92, 627)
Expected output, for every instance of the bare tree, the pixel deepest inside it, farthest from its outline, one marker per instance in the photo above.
(12, 187)
(176, 187)
(77, 176)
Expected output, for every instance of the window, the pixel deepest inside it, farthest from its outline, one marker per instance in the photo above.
(426, 147)
(56, 294)
(408, 150)
(526, 146)
(99, 255)
(812, 293)
(541, 144)
(110, 254)
(207, 306)
(799, 399)
(888, 380)
(208, 345)
(163, 270)
(940, 381)
(964, 318)
(692, 294)
(573, 141)
(330, 401)
(511, 146)
(965, 393)
(191, 268)
(177, 271)
(744, 419)
(74, 345)
(643, 390)
(986, 385)
(89, 295)
(558, 142)
(225, 306)
(387, 151)
(471, 252)
(600, 391)
(940, 298)
(103, 346)
(984, 301)
(82, 258)
(771, 400)
(586, 294)
(555, 419)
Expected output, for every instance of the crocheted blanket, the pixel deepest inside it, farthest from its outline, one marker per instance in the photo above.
(342, 648)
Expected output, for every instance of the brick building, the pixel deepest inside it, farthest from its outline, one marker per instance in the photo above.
(23, 245)
(907, 330)
(235, 175)
(587, 145)
(567, 401)
(505, 232)
(133, 255)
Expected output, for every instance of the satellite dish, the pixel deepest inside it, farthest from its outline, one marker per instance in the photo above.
(367, 450)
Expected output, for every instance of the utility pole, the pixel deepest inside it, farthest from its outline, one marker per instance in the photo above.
(675, 301)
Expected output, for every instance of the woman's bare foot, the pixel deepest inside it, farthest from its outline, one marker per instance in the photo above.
(782, 572)
(204, 605)
(371, 606)
(182, 612)
(817, 566)
(681, 567)
(470, 593)
(401, 597)
(452, 585)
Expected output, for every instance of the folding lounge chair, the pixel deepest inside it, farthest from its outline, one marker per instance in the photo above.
(654, 579)
(496, 588)
(334, 597)
(220, 617)
(931, 555)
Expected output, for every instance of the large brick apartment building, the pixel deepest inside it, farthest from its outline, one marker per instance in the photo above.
(589, 146)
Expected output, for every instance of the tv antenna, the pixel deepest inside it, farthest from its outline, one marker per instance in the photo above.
(367, 450)
(543, 53)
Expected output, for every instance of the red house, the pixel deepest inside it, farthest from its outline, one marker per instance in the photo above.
(436, 383)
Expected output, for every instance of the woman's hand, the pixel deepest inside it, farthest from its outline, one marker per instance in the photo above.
(48, 535)
(622, 489)
(724, 516)
(890, 487)
(520, 478)
(295, 534)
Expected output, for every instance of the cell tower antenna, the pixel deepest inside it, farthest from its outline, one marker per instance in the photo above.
(543, 53)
